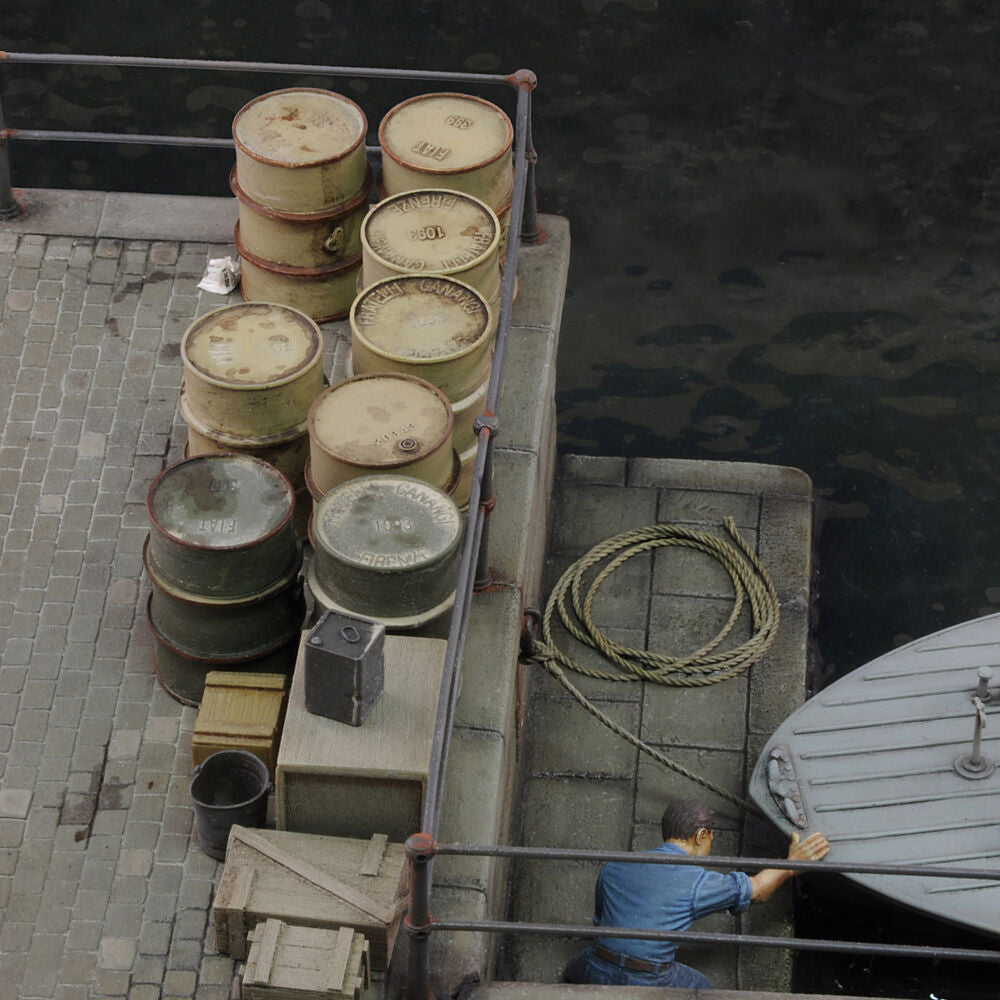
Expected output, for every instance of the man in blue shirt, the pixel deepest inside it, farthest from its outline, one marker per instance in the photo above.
(671, 898)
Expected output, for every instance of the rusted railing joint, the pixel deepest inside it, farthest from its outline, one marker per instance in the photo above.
(420, 849)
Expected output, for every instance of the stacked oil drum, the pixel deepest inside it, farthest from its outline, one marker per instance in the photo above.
(224, 561)
(251, 372)
(302, 181)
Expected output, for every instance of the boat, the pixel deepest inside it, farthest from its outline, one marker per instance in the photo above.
(899, 763)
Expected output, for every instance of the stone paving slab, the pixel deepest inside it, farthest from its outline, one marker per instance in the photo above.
(583, 786)
(102, 891)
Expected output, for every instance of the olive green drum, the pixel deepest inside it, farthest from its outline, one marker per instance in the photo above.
(252, 369)
(300, 150)
(386, 547)
(379, 422)
(433, 232)
(436, 328)
(221, 526)
(447, 140)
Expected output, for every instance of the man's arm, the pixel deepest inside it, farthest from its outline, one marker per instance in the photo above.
(764, 883)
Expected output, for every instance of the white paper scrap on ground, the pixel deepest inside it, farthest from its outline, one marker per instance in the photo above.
(222, 275)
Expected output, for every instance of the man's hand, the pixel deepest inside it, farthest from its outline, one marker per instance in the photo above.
(814, 848)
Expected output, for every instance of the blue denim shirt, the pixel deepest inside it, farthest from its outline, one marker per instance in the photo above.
(662, 897)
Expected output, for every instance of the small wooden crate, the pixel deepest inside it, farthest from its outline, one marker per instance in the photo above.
(240, 711)
(311, 881)
(353, 781)
(288, 962)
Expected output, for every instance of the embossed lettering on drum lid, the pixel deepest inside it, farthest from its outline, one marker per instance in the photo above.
(298, 127)
(220, 501)
(387, 522)
(445, 133)
(432, 231)
(419, 317)
(252, 344)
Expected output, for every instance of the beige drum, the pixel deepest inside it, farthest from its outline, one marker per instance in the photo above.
(380, 422)
(453, 141)
(252, 369)
(436, 328)
(302, 239)
(433, 232)
(323, 293)
(300, 150)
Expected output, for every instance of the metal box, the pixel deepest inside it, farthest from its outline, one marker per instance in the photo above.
(288, 962)
(344, 667)
(240, 711)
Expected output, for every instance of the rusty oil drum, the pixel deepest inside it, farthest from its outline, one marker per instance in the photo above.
(221, 526)
(448, 140)
(301, 149)
(252, 369)
(380, 422)
(223, 560)
(433, 231)
(439, 329)
(302, 239)
(386, 547)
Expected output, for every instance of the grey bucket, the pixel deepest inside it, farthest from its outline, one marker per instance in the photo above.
(229, 787)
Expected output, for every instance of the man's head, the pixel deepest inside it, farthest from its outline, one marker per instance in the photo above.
(690, 823)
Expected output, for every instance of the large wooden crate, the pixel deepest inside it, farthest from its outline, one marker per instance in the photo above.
(353, 781)
(240, 711)
(311, 881)
(288, 962)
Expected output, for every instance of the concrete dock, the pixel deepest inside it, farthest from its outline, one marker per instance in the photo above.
(103, 891)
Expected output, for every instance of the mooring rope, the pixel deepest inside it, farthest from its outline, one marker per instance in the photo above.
(706, 665)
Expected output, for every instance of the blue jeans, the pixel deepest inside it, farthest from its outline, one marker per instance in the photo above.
(586, 967)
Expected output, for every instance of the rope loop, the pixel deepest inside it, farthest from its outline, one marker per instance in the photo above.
(573, 598)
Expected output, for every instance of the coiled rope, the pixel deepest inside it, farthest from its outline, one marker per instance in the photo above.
(706, 665)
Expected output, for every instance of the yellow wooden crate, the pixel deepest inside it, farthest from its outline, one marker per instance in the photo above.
(240, 711)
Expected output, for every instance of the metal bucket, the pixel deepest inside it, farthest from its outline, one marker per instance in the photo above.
(436, 328)
(324, 293)
(447, 140)
(301, 149)
(229, 787)
(433, 231)
(386, 547)
(302, 239)
(287, 452)
(252, 369)
(221, 526)
(379, 422)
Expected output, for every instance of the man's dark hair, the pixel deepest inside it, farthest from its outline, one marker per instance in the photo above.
(683, 818)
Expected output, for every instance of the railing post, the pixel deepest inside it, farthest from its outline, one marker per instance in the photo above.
(487, 500)
(9, 208)
(420, 849)
(525, 80)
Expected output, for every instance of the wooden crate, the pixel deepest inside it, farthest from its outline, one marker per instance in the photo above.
(353, 781)
(288, 962)
(240, 711)
(311, 881)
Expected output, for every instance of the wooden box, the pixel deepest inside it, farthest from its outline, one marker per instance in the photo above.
(311, 881)
(240, 711)
(353, 781)
(288, 962)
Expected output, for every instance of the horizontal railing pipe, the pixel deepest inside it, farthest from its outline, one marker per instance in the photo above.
(703, 937)
(716, 861)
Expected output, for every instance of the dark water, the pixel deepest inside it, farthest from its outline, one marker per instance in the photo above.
(784, 223)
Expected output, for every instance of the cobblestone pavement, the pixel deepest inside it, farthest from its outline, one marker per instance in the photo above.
(102, 891)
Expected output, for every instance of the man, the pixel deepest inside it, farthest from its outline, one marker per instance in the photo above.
(670, 898)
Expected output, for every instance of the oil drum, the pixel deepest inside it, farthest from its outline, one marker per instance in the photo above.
(386, 547)
(380, 422)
